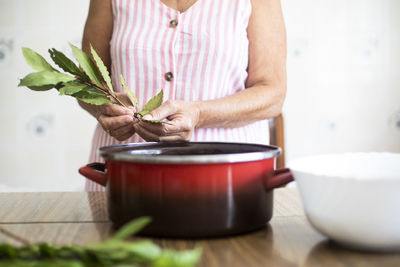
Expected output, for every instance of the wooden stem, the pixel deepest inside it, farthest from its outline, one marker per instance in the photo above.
(105, 91)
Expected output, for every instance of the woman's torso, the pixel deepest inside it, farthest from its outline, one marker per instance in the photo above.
(205, 48)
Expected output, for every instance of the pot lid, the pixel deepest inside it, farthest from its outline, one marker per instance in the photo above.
(189, 152)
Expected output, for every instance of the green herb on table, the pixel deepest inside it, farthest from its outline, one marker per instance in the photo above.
(116, 251)
(91, 83)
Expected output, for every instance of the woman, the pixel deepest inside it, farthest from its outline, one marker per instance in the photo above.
(221, 64)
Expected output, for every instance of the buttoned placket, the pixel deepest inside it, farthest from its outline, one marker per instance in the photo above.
(170, 73)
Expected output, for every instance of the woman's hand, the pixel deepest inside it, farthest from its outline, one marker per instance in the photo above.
(116, 120)
(182, 118)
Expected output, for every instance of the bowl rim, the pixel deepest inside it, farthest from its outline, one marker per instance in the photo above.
(293, 165)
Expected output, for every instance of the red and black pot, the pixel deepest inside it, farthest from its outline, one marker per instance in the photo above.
(190, 189)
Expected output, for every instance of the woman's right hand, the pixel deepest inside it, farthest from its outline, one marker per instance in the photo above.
(117, 120)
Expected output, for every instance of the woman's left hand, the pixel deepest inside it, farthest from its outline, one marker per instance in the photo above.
(181, 119)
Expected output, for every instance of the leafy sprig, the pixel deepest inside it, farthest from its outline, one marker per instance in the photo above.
(116, 251)
(91, 83)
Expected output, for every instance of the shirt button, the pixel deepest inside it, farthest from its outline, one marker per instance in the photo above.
(173, 23)
(169, 76)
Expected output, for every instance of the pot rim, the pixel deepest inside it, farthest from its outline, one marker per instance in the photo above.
(251, 152)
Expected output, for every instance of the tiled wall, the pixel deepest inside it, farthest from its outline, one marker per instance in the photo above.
(343, 90)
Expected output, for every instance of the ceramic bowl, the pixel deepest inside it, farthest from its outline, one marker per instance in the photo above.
(353, 198)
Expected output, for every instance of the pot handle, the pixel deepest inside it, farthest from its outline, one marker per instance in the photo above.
(95, 172)
(278, 178)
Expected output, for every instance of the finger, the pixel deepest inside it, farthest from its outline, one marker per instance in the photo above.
(113, 123)
(173, 138)
(166, 129)
(145, 134)
(114, 110)
(155, 128)
(162, 112)
(126, 135)
(123, 130)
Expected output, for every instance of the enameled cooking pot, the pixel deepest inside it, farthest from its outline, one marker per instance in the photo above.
(190, 189)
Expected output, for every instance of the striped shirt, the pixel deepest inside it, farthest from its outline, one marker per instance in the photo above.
(205, 49)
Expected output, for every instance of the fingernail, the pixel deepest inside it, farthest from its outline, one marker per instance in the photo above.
(147, 117)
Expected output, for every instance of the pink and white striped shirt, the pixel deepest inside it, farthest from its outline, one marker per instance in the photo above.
(205, 48)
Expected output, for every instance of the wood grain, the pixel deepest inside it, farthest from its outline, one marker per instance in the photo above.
(277, 138)
(53, 207)
(91, 207)
(81, 218)
(285, 242)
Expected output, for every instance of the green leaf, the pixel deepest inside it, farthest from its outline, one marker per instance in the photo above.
(35, 60)
(67, 64)
(140, 250)
(72, 87)
(102, 68)
(45, 77)
(41, 88)
(47, 250)
(153, 103)
(145, 250)
(91, 96)
(7, 251)
(179, 258)
(131, 228)
(129, 92)
(46, 87)
(87, 65)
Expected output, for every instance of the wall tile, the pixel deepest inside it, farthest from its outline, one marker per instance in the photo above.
(38, 168)
(9, 122)
(8, 10)
(391, 13)
(7, 52)
(10, 166)
(71, 14)
(37, 14)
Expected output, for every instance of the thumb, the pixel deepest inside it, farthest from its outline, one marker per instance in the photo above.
(160, 113)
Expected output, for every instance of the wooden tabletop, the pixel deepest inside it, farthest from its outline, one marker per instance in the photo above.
(81, 218)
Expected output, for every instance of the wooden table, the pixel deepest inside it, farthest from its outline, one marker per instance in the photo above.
(81, 218)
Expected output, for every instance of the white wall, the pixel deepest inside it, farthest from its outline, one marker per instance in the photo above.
(44, 138)
(343, 85)
(343, 94)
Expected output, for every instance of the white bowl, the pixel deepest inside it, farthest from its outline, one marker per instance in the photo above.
(353, 198)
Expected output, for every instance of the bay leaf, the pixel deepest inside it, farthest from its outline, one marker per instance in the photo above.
(45, 78)
(153, 103)
(35, 60)
(131, 95)
(106, 253)
(72, 87)
(102, 68)
(178, 258)
(47, 250)
(91, 97)
(7, 251)
(41, 88)
(118, 250)
(146, 250)
(131, 228)
(87, 65)
(67, 64)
